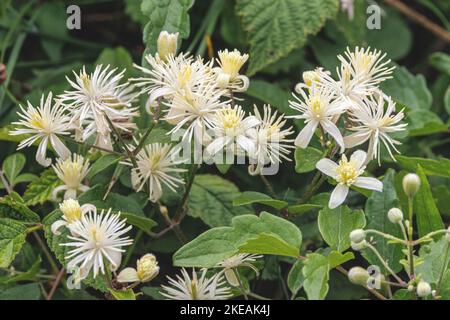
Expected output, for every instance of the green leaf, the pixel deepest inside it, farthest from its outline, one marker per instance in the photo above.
(434, 259)
(211, 200)
(28, 275)
(306, 159)
(168, 15)
(377, 207)
(336, 258)
(336, 224)
(299, 209)
(295, 277)
(267, 243)
(127, 294)
(316, 276)
(250, 197)
(440, 61)
(427, 215)
(52, 20)
(12, 238)
(272, 94)
(12, 166)
(29, 291)
(25, 177)
(444, 291)
(277, 27)
(118, 58)
(424, 122)
(12, 206)
(40, 190)
(143, 223)
(103, 163)
(408, 89)
(217, 244)
(440, 168)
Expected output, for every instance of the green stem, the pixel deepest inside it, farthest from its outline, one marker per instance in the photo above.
(386, 236)
(410, 238)
(444, 267)
(315, 184)
(257, 296)
(89, 146)
(268, 186)
(46, 252)
(182, 208)
(133, 246)
(241, 287)
(122, 142)
(384, 263)
(144, 138)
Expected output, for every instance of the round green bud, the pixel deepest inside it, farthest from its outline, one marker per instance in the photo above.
(357, 235)
(395, 215)
(358, 275)
(423, 289)
(358, 246)
(411, 184)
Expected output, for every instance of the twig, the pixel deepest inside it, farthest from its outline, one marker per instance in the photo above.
(420, 19)
(268, 186)
(56, 283)
(47, 253)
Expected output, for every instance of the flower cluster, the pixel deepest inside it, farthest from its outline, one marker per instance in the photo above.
(355, 103)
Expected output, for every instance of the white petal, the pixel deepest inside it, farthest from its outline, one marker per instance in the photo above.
(231, 277)
(41, 152)
(304, 137)
(369, 183)
(246, 144)
(331, 128)
(338, 196)
(56, 225)
(216, 146)
(62, 151)
(128, 275)
(359, 157)
(327, 166)
(355, 139)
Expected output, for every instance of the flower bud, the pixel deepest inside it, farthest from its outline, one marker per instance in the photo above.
(423, 289)
(71, 210)
(309, 77)
(357, 235)
(147, 267)
(395, 215)
(167, 44)
(223, 79)
(358, 275)
(358, 246)
(411, 184)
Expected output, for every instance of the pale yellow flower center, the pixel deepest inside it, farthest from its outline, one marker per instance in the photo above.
(147, 267)
(72, 173)
(86, 82)
(232, 62)
(71, 210)
(184, 76)
(309, 77)
(154, 160)
(316, 105)
(194, 293)
(346, 172)
(230, 118)
(37, 121)
(363, 62)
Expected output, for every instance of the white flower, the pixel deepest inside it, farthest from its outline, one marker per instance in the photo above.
(180, 74)
(228, 76)
(196, 111)
(98, 241)
(239, 260)
(230, 127)
(310, 78)
(71, 171)
(72, 211)
(270, 139)
(319, 107)
(346, 174)
(44, 123)
(360, 73)
(195, 288)
(97, 96)
(146, 269)
(156, 164)
(371, 122)
(167, 44)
